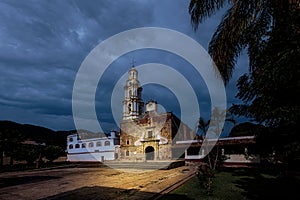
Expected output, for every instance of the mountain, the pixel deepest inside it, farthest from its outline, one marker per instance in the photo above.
(36, 133)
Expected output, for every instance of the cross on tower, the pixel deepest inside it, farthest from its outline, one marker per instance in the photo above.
(133, 62)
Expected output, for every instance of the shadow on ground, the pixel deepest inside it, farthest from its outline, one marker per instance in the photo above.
(103, 193)
(262, 184)
(6, 182)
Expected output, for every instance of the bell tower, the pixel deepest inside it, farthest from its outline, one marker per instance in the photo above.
(132, 104)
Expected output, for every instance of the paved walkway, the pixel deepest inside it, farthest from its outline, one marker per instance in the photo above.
(90, 183)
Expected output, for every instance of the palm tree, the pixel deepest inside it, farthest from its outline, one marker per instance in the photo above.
(210, 162)
(216, 123)
(246, 24)
(202, 127)
(270, 32)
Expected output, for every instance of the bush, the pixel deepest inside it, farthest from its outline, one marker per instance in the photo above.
(52, 152)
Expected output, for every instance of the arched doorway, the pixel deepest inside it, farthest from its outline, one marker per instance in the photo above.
(149, 153)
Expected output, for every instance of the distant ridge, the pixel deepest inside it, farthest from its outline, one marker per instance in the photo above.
(36, 133)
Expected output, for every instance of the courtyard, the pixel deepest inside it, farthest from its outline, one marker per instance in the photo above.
(91, 183)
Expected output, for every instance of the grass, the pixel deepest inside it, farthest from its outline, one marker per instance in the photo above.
(241, 183)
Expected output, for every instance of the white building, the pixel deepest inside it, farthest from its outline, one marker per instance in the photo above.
(94, 149)
(241, 150)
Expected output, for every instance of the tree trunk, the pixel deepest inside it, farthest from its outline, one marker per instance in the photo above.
(216, 158)
(1, 157)
(11, 161)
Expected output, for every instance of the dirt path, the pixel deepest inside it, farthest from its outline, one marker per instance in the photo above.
(89, 183)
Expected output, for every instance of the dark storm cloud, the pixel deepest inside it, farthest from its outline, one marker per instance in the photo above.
(43, 43)
(51, 32)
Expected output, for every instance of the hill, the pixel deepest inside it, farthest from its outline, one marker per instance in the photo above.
(36, 133)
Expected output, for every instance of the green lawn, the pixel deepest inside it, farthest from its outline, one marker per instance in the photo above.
(241, 183)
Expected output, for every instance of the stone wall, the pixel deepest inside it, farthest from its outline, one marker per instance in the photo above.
(155, 131)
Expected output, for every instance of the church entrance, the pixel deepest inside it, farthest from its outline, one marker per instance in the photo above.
(149, 153)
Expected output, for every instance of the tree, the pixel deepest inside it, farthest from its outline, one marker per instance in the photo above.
(26, 152)
(203, 126)
(218, 117)
(52, 152)
(246, 24)
(270, 32)
(247, 129)
(211, 129)
(9, 140)
(270, 93)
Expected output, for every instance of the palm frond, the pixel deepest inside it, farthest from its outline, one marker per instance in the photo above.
(202, 9)
(231, 35)
(258, 34)
(203, 125)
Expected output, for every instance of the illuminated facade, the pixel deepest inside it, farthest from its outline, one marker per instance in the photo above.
(94, 149)
(148, 135)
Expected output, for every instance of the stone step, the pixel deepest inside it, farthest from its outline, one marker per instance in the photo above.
(145, 165)
(134, 165)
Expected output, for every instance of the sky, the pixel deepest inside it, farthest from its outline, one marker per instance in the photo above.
(44, 43)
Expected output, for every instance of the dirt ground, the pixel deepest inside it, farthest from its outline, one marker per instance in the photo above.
(90, 183)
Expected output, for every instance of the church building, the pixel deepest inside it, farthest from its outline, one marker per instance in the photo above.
(146, 134)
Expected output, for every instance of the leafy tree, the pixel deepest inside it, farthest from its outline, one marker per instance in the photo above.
(52, 152)
(270, 93)
(26, 152)
(9, 140)
(247, 129)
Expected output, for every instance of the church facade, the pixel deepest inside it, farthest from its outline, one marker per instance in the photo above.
(146, 134)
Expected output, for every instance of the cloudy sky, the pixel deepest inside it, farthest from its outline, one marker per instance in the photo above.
(44, 43)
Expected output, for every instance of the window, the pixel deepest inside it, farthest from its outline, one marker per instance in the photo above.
(71, 146)
(107, 143)
(127, 153)
(127, 142)
(91, 144)
(129, 108)
(77, 146)
(149, 134)
(98, 144)
(83, 145)
(71, 139)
